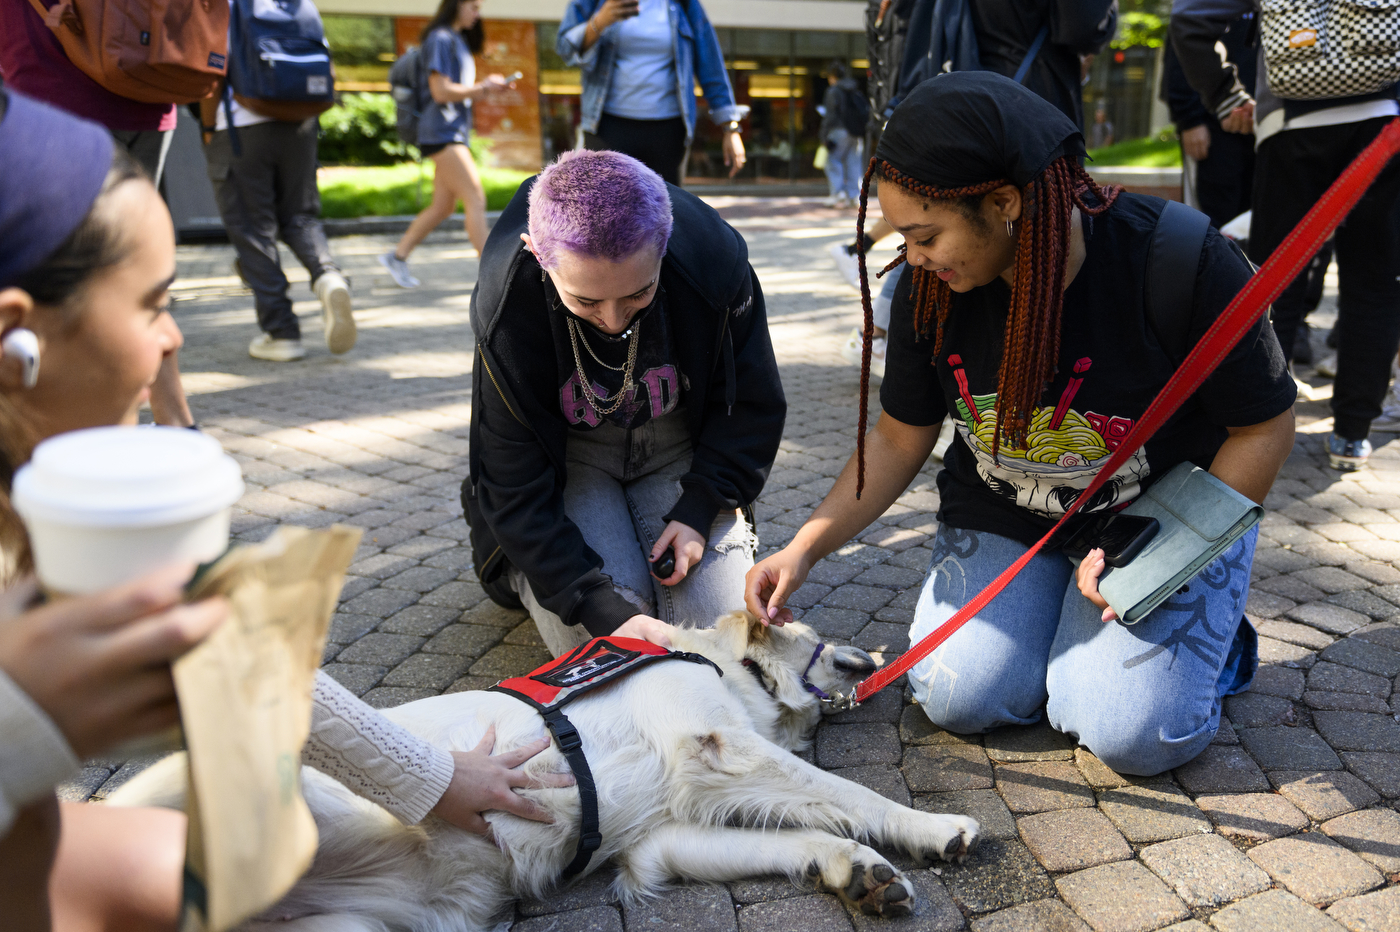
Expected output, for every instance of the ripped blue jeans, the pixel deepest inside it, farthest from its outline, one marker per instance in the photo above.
(1144, 698)
(620, 484)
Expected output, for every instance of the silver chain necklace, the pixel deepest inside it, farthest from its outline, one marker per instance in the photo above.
(628, 386)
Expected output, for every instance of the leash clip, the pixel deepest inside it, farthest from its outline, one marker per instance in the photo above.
(840, 702)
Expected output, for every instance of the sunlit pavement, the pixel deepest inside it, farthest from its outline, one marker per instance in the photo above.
(1288, 821)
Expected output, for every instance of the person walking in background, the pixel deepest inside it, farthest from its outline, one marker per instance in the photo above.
(1303, 147)
(451, 41)
(1101, 130)
(641, 61)
(264, 176)
(842, 131)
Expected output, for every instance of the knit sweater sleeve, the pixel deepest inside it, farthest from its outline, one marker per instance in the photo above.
(373, 757)
(34, 755)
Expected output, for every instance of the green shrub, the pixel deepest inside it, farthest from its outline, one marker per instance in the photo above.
(362, 130)
(1158, 151)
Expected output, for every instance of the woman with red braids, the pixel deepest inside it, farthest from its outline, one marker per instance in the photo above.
(1024, 318)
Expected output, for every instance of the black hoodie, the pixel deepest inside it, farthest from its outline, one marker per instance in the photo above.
(514, 494)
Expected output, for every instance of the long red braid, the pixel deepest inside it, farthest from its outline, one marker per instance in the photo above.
(1032, 342)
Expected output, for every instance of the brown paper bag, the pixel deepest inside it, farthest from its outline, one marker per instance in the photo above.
(245, 705)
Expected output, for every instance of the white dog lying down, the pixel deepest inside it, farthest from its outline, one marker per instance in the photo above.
(695, 782)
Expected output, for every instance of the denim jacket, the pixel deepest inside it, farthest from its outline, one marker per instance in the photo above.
(698, 60)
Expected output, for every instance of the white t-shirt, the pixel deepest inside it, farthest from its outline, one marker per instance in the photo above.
(242, 116)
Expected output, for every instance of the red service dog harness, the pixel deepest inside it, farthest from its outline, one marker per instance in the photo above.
(564, 679)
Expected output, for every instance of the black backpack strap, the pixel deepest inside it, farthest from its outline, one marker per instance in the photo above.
(590, 839)
(1172, 261)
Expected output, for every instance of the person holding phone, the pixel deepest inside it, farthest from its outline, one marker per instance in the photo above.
(626, 405)
(641, 62)
(1023, 316)
(451, 40)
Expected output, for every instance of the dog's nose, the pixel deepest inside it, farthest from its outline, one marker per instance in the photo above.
(853, 660)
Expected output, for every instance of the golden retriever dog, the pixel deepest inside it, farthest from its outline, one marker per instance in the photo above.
(696, 781)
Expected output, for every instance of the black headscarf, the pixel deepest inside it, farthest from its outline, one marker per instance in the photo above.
(965, 128)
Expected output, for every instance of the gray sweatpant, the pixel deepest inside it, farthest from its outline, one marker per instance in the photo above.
(269, 190)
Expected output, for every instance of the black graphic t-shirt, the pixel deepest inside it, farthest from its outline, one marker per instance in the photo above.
(656, 380)
(1110, 368)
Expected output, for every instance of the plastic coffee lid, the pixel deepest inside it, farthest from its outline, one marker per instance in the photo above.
(126, 477)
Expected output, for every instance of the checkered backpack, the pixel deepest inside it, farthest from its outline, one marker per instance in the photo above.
(1323, 49)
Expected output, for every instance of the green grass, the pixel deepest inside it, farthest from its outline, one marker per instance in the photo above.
(392, 189)
(1159, 151)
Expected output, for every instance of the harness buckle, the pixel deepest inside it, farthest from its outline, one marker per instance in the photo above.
(590, 841)
(564, 732)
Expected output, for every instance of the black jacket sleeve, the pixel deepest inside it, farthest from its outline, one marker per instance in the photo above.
(1185, 104)
(1196, 27)
(1086, 26)
(743, 418)
(519, 498)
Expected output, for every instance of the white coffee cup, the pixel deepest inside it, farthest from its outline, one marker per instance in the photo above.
(107, 504)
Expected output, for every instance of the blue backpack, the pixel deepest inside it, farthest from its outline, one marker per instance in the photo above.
(407, 84)
(279, 63)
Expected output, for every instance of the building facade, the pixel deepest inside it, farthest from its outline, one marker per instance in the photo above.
(775, 69)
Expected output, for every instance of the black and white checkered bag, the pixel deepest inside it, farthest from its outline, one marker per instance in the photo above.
(1322, 49)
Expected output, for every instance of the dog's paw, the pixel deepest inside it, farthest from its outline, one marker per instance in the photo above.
(872, 884)
(953, 839)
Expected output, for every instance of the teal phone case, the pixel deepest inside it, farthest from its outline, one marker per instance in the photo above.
(1200, 517)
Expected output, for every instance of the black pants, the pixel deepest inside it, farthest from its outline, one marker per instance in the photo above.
(270, 191)
(1293, 169)
(149, 147)
(657, 144)
(1225, 177)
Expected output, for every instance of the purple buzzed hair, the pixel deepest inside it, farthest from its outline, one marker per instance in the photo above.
(601, 204)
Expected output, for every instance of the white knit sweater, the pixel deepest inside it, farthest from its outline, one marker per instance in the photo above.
(349, 742)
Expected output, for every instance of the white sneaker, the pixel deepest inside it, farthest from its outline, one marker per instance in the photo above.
(851, 352)
(268, 347)
(1326, 366)
(398, 270)
(846, 264)
(333, 291)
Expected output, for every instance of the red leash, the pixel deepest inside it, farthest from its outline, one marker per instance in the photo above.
(1252, 301)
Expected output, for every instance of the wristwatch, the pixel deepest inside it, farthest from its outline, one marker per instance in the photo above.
(733, 126)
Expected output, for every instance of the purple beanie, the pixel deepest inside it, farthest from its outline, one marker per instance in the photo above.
(602, 204)
(52, 167)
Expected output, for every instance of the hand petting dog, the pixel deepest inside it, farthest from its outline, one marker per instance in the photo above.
(483, 782)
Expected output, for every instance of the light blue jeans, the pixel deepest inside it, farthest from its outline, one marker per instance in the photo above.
(620, 484)
(844, 163)
(1144, 698)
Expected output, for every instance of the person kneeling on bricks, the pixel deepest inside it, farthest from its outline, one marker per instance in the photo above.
(626, 405)
(1023, 315)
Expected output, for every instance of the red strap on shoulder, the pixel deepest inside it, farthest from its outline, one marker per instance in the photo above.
(1252, 301)
(535, 685)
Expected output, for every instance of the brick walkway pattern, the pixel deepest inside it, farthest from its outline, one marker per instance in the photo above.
(1287, 822)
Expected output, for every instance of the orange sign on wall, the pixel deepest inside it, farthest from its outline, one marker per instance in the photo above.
(509, 119)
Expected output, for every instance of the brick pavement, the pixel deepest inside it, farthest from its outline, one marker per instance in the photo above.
(1288, 821)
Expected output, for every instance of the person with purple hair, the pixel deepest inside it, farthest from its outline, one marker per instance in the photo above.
(626, 405)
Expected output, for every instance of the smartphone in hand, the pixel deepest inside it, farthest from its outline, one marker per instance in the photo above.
(1120, 537)
(664, 566)
(626, 9)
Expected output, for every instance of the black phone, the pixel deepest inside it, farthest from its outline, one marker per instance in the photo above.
(1121, 537)
(664, 566)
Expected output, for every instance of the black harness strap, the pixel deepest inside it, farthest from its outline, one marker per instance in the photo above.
(590, 839)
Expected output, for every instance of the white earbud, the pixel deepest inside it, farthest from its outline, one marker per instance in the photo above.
(24, 345)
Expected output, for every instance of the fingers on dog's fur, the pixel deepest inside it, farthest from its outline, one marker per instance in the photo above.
(861, 877)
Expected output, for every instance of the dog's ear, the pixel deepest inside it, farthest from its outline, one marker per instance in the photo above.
(735, 630)
(759, 633)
